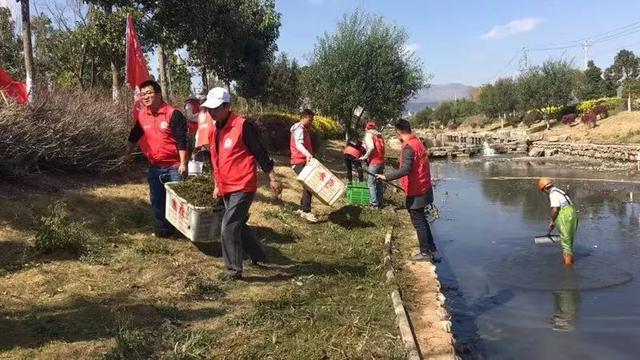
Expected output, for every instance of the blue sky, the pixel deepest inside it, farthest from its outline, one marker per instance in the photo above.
(472, 41)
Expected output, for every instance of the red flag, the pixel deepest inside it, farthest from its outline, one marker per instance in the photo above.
(15, 89)
(136, 71)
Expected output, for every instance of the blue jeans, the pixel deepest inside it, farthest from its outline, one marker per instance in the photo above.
(376, 188)
(157, 177)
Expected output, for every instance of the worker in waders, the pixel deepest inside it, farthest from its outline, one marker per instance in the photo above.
(563, 217)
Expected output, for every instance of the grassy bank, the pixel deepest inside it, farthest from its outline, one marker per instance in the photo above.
(622, 128)
(122, 294)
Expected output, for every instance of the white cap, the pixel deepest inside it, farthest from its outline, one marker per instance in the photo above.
(216, 97)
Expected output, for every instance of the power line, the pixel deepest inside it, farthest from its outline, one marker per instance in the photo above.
(577, 42)
(506, 66)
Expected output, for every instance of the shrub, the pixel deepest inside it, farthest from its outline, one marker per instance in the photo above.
(610, 103)
(552, 112)
(589, 119)
(452, 125)
(66, 130)
(600, 110)
(274, 133)
(57, 232)
(569, 119)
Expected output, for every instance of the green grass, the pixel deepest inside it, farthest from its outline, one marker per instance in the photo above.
(322, 294)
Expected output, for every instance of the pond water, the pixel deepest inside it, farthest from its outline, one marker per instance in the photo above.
(513, 299)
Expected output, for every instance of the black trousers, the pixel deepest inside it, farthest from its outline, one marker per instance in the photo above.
(305, 201)
(238, 239)
(416, 205)
(350, 162)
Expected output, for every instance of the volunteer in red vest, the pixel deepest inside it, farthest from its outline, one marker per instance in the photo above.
(415, 176)
(301, 153)
(165, 131)
(352, 154)
(191, 111)
(236, 152)
(374, 143)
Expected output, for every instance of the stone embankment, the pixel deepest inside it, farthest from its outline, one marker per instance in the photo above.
(625, 153)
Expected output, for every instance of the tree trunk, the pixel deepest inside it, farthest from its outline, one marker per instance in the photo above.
(162, 72)
(205, 80)
(115, 75)
(28, 49)
(169, 80)
(629, 101)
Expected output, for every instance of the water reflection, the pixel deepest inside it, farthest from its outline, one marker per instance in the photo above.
(567, 308)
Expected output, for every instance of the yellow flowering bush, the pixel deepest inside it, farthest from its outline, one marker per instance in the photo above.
(610, 104)
(324, 126)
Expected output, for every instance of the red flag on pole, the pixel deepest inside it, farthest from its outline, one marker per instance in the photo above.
(136, 71)
(15, 89)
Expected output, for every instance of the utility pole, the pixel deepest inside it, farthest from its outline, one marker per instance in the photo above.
(585, 47)
(524, 60)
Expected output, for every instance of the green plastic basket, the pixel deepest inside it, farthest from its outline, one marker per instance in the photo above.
(357, 193)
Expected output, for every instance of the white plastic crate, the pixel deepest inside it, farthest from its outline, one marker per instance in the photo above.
(198, 223)
(321, 182)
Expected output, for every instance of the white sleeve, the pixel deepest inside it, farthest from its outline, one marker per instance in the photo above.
(298, 136)
(555, 199)
(368, 144)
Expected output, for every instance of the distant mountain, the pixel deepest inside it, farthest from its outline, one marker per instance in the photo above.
(436, 94)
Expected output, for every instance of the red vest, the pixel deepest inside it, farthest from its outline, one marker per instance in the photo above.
(377, 155)
(298, 158)
(161, 149)
(353, 151)
(418, 182)
(234, 167)
(205, 124)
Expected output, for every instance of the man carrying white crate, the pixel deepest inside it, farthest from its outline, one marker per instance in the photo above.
(236, 150)
(301, 153)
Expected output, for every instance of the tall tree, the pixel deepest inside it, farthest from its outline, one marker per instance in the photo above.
(283, 87)
(593, 84)
(366, 62)
(180, 76)
(234, 39)
(499, 98)
(10, 47)
(626, 65)
(27, 49)
(551, 84)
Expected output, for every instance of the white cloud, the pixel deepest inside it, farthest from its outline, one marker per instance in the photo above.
(511, 28)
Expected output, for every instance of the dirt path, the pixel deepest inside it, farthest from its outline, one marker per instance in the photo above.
(421, 294)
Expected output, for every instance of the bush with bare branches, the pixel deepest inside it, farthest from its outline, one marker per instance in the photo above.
(66, 130)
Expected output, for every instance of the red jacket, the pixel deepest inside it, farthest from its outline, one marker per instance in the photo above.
(161, 149)
(356, 152)
(234, 167)
(418, 182)
(298, 158)
(377, 155)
